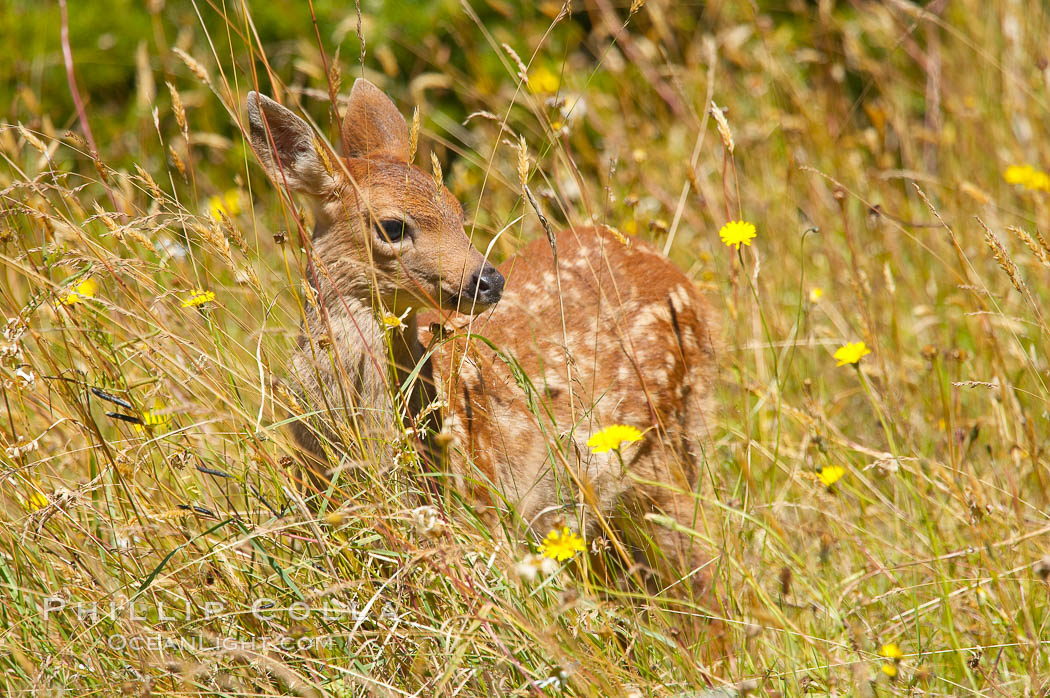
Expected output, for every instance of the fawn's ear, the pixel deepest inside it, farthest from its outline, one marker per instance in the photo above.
(286, 146)
(372, 126)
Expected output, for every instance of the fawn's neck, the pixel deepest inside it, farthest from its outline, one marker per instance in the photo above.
(380, 359)
(406, 352)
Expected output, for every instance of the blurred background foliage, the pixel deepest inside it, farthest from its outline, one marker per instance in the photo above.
(789, 67)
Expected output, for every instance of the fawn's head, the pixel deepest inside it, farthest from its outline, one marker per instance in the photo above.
(384, 228)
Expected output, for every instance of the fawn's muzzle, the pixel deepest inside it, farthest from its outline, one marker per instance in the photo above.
(485, 287)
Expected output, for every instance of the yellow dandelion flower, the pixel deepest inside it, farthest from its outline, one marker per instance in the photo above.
(891, 651)
(851, 353)
(153, 418)
(612, 438)
(36, 501)
(198, 298)
(228, 202)
(543, 80)
(831, 474)
(1028, 177)
(815, 294)
(561, 546)
(890, 670)
(81, 292)
(1018, 174)
(1039, 181)
(737, 233)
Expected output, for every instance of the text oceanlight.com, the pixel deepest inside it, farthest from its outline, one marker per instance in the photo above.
(154, 642)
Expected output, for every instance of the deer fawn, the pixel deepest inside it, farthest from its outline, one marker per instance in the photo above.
(607, 331)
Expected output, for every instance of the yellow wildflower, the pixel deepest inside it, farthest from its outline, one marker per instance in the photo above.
(36, 501)
(153, 418)
(737, 233)
(890, 670)
(228, 202)
(1039, 181)
(815, 294)
(1018, 174)
(198, 298)
(1028, 177)
(891, 651)
(831, 474)
(81, 292)
(561, 546)
(851, 353)
(393, 323)
(543, 80)
(612, 438)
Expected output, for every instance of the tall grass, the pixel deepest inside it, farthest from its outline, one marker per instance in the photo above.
(144, 451)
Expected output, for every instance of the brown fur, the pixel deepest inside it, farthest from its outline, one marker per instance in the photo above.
(614, 334)
(637, 348)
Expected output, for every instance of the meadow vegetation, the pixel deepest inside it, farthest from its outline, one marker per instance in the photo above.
(878, 516)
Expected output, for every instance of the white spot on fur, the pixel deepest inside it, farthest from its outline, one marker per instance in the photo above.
(680, 298)
(649, 317)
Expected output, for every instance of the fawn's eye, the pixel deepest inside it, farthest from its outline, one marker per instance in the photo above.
(391, 229)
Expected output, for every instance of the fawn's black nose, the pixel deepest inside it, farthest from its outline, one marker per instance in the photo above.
(485, 286)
